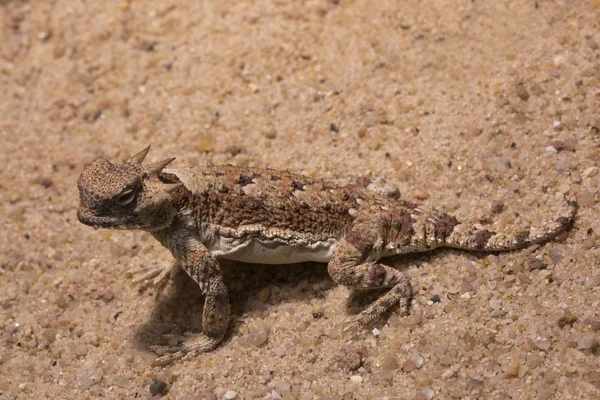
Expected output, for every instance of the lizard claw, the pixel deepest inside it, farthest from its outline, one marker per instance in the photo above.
(350, 325)
(170, 355)
(156, 277)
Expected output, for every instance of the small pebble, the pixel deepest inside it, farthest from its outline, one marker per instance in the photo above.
(157, 387)
(420, 195)
(256, 337)
(550, 151)
(389, 363)
(356, 379)
(80, 349)
(428, 392)
(594, 324)
(534, 360)
(264, 295)
(535, 263)
(474, 384)
(409, 366)
(567, 319)
(270, 132)
(47, 182)
(421, 378)
(495, 304)
(502, 164)
(417, 359)
(497, 206)
(588, 342)
(591, 282)
(522, 92)
(376, 332)
(590, 171)
(559, 145)
(561, 166)
(555, 255)
(89, 379)
(349, 361)
(230, 395)
(385, 188)
(585, 199)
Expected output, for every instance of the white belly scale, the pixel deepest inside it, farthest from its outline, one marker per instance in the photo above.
(269, 251)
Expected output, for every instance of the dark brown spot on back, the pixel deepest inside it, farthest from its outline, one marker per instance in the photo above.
(244, 180)
(563, 221)
(275, 178)
(522, 237)
(402, 223)
(297, 186)
(480, 238)
(444, 227)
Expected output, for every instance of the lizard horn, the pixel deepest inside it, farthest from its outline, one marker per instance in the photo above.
(139, 157)
(155, 168)
(171, 187)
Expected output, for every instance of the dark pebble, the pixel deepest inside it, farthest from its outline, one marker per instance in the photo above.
(349, 361)
(435, 298)
(522, 92)
(497, 206)
(47, 182)
(535, 263)
(567, 319)
(334, 128)
(474, 384)
(157, 387)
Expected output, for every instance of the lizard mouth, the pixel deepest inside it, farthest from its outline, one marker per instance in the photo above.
(104, 222)
(122, 222)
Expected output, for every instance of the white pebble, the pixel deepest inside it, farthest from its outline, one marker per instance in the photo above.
(587, 342)
(89, 379)
(376, 332)
(230, 395)
(448, 373)
(428, 392)
(275, 395)
(590, 171)
(495, 304)
(550, 151)
(591, 282)
(356, 379)
(417, 359)
(502, 165)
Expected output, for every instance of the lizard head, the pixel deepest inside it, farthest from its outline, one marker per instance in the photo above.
(126, 195)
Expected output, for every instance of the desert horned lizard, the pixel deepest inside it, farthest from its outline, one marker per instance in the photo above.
(203, 214)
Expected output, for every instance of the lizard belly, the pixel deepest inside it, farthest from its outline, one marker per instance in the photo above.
(272, 251)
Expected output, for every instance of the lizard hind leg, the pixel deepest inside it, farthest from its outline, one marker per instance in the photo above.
(350, 266)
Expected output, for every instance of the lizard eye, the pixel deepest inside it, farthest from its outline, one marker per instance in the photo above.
(125, 197)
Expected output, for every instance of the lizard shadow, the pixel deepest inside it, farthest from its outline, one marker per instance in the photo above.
(179, 308)
(253, 290)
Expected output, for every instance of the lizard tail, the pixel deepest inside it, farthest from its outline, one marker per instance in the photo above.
(465, 237)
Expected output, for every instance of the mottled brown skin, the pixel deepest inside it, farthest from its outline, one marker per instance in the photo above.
(261, 215)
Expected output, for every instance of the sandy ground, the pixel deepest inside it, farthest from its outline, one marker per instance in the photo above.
(489, 110)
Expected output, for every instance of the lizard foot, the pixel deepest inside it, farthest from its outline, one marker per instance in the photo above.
(156, 277)
(197, 343)
(351, 325)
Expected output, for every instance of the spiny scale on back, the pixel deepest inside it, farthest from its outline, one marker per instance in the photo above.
(202, 214)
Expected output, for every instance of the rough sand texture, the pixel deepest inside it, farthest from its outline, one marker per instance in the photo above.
(487, 109)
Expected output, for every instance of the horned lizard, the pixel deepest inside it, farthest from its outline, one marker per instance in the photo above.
(255, 215)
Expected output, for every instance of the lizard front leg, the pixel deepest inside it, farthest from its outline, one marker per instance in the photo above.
(204, 269)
